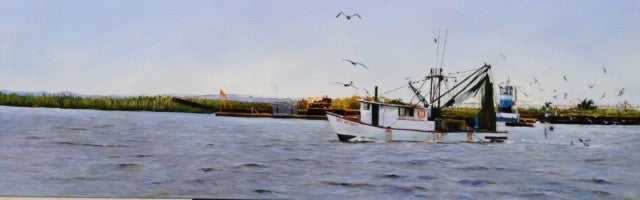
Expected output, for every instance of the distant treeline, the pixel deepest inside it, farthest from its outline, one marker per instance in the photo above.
(162, 103)
(165, 103)
(596, 112)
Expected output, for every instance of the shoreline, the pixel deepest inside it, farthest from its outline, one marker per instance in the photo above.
(565, 119)
(168, 103)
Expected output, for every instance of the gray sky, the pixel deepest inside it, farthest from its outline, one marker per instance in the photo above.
(254, 47)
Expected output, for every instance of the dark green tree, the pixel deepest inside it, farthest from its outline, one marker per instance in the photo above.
(587, 104)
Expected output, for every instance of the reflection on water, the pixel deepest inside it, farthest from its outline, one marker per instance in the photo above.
(54, 152)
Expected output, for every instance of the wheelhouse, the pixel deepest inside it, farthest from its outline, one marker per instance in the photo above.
(395, 116)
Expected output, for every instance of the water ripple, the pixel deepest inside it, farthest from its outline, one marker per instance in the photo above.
(251, 165)
(595, 180)
(476, 182)
(178, 155)
(69, 128)
(347, 184)
(90, 144)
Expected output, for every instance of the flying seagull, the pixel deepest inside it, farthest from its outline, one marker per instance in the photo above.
(603, 94)
(565, 78)
(565, 95)
(435, 40)
(503, 57)
(621, 92)
(348, 16)
(535, 80)
(354, 63)
(350, 84)
(555, 96)
(591, 86)
(604, 69)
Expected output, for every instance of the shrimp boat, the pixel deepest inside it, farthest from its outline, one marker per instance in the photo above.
(424, 123)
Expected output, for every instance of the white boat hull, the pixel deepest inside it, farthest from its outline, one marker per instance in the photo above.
(350, 131)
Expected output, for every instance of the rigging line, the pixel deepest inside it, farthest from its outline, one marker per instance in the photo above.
(463, 89)
(446, 85)
(462, 72)
(393, 90)
(491, 79)
(460, 83)
(438, 48)
(424, 81)
(419, 89)
(444, 47)
(412, 98)
(470, 83)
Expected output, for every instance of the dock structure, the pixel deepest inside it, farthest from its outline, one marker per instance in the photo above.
(284, 109)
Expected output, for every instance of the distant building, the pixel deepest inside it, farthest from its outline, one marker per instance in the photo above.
(323, 102)
(284, 109)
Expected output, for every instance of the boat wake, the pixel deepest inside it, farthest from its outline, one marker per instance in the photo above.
(361, 139)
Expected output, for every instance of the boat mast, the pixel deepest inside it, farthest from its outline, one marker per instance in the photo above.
(435, 78)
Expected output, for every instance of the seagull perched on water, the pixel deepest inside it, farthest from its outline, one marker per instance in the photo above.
(621, 92)
(503, 57)
(591, 86)
(584, 142)
(350, 84)
(348, 16)
(354, 63)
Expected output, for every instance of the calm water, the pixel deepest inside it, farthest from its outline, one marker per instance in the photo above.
(55, 152)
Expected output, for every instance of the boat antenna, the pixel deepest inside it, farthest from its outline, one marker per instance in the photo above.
(438, 48)
(443, 48)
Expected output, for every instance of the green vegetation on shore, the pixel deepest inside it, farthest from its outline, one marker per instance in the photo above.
(165, 103)
(352, 102)
(162, 103)
(600, 112)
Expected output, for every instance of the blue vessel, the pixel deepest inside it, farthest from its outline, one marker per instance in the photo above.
(507, 111)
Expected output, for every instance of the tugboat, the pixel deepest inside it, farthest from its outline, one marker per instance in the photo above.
(381, 121)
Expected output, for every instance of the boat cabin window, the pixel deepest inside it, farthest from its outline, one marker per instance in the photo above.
(366, 106)
(507, 90)
(405, 112)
